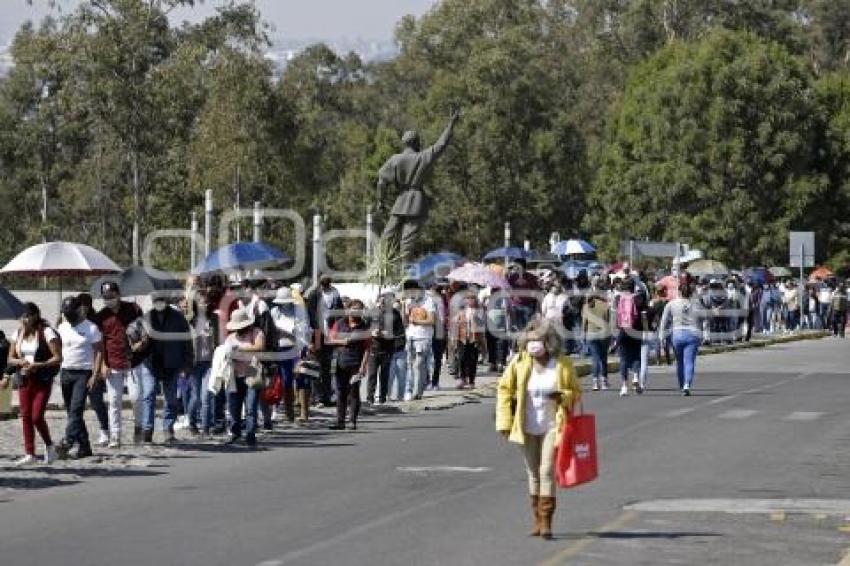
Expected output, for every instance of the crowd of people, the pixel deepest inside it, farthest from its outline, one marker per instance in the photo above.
(231, 357)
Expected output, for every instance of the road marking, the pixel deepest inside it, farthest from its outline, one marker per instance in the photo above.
(444, 469)
(622, 432)
(803, 416)
(680, 412)
(846, 560)
(574, 549)
(362, 528)
(737, 414)
(779, 516)
(829, 507)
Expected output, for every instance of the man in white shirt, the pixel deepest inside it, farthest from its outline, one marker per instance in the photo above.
(81, 353)
(554, 303)
(419, 315)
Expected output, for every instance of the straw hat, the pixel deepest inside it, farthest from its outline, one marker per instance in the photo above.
(283, 296)
(239, 320)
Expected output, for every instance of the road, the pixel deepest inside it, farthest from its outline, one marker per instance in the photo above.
(443, 488)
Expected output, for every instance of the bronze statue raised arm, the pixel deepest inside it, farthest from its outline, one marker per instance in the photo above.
(408, 171)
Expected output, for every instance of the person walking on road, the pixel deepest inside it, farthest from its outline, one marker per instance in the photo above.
(535, 394)
(596, 329)
(36, 351)
(245, 341)
(420, 315)
(629, 305)
(97, 391)
(838, 306)
(81, 353)
(684, 317)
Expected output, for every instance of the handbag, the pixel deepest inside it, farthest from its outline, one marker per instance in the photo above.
(272, 392)
(255, 376)
(576, 461)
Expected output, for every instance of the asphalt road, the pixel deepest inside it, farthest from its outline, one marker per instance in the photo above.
(763, 425)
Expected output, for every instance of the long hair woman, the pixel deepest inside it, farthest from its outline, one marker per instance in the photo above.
(36, 352)
(684, 317)
(536, 393)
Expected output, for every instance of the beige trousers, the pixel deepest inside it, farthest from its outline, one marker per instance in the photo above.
(540, 462)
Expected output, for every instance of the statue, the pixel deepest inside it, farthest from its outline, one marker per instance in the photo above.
(409, 170)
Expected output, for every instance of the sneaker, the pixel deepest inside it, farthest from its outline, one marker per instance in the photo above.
(596, 385)
(50, 454)
(182, 423)
(686, 391)
(114, 442)
(83, 453)
(639, 389)
(103, 438)
(380, 402)
(26, 460)
(605, 385)
(624, 390)
(62, 450)
(635, 381)
(408, 397)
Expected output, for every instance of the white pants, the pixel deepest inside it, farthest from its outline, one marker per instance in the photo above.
(115, 395)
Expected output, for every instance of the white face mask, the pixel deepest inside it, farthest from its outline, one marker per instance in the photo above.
(536, 348)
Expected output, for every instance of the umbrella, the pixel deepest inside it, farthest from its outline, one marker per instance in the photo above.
(758, 275)
(478, 274)
(60, 259)
(822, 273)
(139, 280)
(780, 271)
(509, 253)
(572, 247)
(438, 263)
(242, 256)
(707, 267)
(10, 307)
(573, 268)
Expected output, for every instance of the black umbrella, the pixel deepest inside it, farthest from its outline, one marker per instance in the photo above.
(10, 307)
(138, 280)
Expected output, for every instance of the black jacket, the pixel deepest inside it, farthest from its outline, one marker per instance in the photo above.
(171, 341)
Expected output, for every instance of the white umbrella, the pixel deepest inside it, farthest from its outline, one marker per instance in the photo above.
(60, 259)
(572, 247)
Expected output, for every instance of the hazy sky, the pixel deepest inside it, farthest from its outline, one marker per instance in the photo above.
(323, 19)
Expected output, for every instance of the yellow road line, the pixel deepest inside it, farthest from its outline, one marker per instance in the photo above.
(574, 549)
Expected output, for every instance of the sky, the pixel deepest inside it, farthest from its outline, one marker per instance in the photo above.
(295, 19)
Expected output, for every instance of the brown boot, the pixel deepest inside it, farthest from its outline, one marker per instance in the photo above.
(547, 510)
(304, 405)
(289, 404)
(535, 513)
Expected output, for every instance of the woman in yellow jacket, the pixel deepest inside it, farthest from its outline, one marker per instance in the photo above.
(536, 392)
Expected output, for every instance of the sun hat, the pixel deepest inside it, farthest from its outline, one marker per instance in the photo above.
(239, 320)
(283, 296)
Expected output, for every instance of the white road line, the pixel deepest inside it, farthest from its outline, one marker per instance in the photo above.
(804, 416)
(830, 507)
(737, 414)
(679, 412)
(445, 469)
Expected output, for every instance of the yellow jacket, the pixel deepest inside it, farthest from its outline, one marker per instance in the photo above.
(514, 385)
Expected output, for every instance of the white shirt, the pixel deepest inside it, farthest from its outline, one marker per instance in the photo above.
(540, 410)
(421, 331)
(825, 296)
(30, 347)
(553, 306)
(295, 324)
(78, 344)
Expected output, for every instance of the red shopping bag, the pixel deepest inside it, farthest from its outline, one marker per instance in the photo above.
(272, 393)
(576, 461)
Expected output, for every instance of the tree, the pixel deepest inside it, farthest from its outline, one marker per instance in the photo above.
(713, 144)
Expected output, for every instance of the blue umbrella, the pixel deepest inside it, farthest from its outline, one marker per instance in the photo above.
(572, 247)
(502, 253)
(759, 275)
(442, 261)
(10, 307)
(242, 256)
(573, 268)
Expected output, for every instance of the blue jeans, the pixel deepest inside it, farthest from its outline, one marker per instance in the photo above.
(168, 381)
(686, 345)
(599, 357)
(212, 406)
(398, 374)
(250, 398)
(418, 354)
(197, 392)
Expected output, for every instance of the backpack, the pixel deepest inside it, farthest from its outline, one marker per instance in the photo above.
(627, 313)
(839, 302)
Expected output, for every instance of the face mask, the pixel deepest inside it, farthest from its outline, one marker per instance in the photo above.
(112, 303)
(159, 306)
(536, 348)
